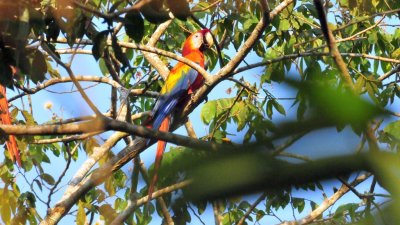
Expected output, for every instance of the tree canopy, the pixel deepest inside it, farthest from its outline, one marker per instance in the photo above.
(287, 85)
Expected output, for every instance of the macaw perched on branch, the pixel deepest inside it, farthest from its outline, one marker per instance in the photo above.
(181, 82)
(5, 118)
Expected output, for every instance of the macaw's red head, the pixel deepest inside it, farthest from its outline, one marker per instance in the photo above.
(197, 41)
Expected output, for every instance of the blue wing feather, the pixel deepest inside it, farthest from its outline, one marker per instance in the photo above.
(167, 102)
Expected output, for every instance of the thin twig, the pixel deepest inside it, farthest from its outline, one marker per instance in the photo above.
(306, 54)
(327, 203)
(131, 207)
(250, 209)
(361, 32)
(288, 143)
(160, 199)
(390, 73)
(68, 150)
(65, 139)
(96, 79)
(73, 78)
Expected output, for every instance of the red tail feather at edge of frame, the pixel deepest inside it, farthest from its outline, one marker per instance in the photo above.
(5, 118)
(160, 151)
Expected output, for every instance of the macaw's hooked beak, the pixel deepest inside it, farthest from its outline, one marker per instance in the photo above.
(207, 39)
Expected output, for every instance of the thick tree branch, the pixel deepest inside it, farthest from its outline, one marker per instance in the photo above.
(330, 39)
(153, 58)
(97, 154)
(104, 124)
(96, 125)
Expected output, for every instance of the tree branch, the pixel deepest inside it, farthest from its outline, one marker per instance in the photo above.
(131, 207)
(95, 79)
(251, 208)
(327, 203)
(73, 78)
(330, 39)
(152, 58)
(251, 40)
(65, 139)
(157, 51)
(307, 54)
(227, 70)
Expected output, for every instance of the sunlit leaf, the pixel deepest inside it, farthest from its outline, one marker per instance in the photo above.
(393, 129)
(81, 215)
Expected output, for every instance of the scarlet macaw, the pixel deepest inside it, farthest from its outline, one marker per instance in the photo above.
(5, 118)
(180, 83)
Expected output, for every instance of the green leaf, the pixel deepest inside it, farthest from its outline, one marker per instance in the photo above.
(347, 208)
(299, 204)
(260, 214)
(338, 106)
(208, 112)
(180, 8)
(269, 109)
(52, 29)
(279, 107)
(48, 178)
(359, 85)
(396, 53)
(393, 129)
(99, 44)
(107, 212)
(5, 73)
(154, 12)
(284, 25)
(28, 118)
(81, 215)
(277, 72)
(134, 26)
(119, 54)
(103, 67)
(109, 186)
(38, 67)
(37, 182)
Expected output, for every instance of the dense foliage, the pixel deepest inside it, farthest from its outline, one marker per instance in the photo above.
(285, 80)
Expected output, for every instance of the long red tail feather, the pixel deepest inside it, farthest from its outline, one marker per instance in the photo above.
(160, 151)
(6, 119)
